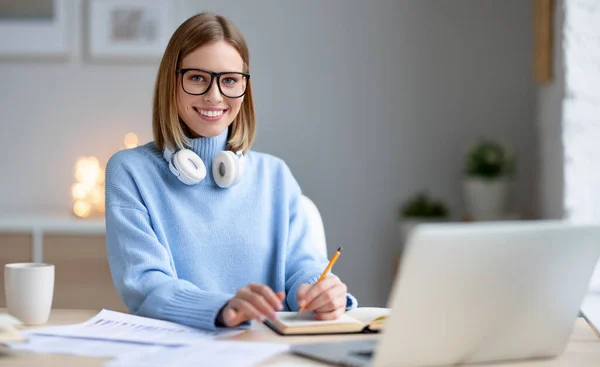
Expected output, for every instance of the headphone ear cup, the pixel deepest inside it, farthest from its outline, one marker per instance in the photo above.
(190, 167)
(241, 168)
(226, 169)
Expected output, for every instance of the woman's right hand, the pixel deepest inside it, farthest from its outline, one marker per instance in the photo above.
(255, 301)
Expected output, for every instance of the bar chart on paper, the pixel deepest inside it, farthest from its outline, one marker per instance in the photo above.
(117, 326)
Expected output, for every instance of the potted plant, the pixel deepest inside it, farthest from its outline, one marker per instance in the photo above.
(489, 168)
(421, 208)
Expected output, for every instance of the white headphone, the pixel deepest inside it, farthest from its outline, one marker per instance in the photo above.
(227, 167)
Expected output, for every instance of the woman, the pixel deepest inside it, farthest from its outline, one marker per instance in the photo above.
(201, 230)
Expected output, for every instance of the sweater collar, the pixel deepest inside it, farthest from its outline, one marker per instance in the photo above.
(207, 149)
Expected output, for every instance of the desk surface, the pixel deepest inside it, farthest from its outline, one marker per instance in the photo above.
(583, 349)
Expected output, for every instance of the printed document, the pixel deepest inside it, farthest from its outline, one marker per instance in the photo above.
(117, 326)
(210, 353)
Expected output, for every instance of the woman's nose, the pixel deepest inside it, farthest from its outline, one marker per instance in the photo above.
(214, 94)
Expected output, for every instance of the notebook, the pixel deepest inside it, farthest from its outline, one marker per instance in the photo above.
(358, 320)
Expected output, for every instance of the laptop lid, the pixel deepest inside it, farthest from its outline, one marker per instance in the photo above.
(479, 292)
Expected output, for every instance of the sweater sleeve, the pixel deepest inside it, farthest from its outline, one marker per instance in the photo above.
(142, 268)
(304, 264)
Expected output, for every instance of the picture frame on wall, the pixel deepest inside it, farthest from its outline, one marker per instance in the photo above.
(128, 30)
(35, 29)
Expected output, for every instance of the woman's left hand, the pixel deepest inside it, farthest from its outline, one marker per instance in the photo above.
(326, 298)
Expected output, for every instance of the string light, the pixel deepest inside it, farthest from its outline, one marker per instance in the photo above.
(81, 208)
(88, 189)
(131, 141)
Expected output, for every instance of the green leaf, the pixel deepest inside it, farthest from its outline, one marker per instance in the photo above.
(489, 159)
(422, 206)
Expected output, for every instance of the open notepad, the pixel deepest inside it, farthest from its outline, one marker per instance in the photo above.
(359, 320)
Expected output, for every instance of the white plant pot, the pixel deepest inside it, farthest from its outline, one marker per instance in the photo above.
(486, 199)
(408, 224)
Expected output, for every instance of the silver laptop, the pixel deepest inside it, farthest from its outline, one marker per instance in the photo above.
(479, 292)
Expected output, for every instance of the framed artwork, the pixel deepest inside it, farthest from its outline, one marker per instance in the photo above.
(34, 28)
(129, 29)
(543, 18)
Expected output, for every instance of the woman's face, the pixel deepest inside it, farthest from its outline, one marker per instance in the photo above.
(209, 114)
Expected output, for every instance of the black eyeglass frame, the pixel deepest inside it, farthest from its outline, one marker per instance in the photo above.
(213, 75)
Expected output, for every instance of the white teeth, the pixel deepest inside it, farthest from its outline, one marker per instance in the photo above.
(211, 113)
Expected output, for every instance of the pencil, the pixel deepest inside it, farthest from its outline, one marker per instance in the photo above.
(329, 266)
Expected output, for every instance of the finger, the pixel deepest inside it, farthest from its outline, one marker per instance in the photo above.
(247, 308)
(301, 294)
(320, 287)
(232, 317)
(329, 300)
(281, 296)
(333, 315)
(257, 301)
(268, 294)
(317, 289)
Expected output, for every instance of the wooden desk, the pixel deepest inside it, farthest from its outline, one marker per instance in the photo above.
(583, 349)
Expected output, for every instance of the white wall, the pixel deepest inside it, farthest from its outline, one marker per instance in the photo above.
(581, 113)
(581, 109)
(382, 99)
(568, 110)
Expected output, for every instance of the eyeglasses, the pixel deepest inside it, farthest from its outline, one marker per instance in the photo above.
(198, 82)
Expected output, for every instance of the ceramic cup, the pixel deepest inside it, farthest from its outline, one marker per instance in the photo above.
(29, 289)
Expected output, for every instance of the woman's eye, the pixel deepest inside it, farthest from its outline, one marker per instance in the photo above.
(229, 80)
(197, 78)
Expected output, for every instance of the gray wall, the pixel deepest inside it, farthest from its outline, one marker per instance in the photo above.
(367, 102)
(550, 98)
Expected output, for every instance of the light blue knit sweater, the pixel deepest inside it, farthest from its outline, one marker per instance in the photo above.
(179, 252)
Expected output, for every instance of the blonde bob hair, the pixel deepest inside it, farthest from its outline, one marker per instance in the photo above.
(197, 31)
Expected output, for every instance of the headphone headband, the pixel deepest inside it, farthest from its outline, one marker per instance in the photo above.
(167, 154)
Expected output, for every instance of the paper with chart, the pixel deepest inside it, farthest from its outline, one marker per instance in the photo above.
(210, 353)
(82, 347)
(140, 341)
(117, 326)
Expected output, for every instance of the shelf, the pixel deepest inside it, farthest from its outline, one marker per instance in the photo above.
(40, 224)
(51, 223)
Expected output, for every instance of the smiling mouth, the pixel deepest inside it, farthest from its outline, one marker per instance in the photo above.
(210, 113)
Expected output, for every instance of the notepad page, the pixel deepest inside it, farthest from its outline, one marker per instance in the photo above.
(367, 314)
(294, 319)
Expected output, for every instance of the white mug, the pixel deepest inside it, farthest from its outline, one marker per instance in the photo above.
(29, 289)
